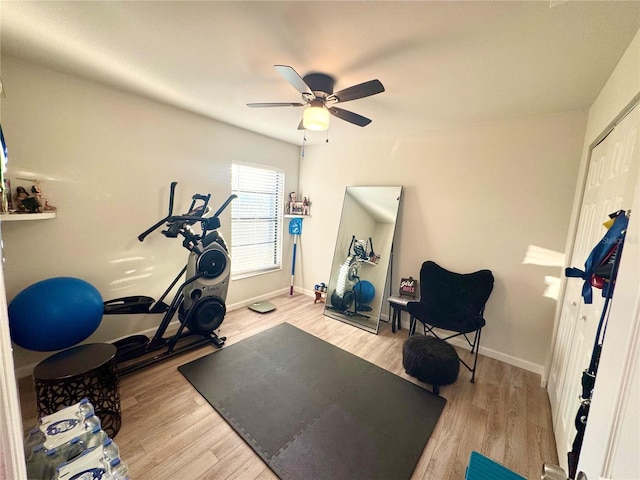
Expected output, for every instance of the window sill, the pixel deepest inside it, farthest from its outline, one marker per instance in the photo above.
(242, 276)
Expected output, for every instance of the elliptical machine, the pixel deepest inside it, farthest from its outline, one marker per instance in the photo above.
(344, 296)
(200, 299)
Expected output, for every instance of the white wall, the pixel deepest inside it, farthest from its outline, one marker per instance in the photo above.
(474, 197)
(106, 159)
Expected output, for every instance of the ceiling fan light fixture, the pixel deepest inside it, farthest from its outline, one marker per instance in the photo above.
(317, 93)
(316, 117)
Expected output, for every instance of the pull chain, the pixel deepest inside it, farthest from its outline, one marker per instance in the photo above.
(304, 140)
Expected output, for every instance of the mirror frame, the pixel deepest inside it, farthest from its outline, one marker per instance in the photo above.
(364, 248)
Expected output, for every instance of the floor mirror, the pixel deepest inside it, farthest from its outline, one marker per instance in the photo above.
(362, 258)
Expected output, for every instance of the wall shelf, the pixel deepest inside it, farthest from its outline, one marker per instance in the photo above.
(18, 217)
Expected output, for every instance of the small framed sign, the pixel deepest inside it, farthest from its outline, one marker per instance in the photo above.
(408, 287)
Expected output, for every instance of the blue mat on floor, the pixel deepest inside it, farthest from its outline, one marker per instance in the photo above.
(483, 468)
(311, 410)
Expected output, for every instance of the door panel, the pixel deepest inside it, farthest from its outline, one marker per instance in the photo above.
(611, 180)
(560, 356)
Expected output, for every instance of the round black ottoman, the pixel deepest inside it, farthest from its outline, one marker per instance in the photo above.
(430, 360)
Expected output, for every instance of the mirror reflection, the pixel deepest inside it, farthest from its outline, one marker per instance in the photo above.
(362, 256)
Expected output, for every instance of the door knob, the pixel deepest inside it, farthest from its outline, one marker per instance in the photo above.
(553, 472)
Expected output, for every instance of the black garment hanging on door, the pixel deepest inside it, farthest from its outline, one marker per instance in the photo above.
(601, 271)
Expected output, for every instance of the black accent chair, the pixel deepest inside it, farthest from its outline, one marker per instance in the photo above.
(453, 302)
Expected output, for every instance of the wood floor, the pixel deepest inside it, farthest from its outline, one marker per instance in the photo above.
(170, 432)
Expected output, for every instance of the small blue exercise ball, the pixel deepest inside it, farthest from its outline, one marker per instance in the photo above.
(55, 314)
(365, 291)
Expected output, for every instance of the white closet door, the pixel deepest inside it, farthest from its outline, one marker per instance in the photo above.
(610, 185)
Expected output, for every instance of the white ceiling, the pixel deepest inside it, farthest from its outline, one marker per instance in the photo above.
(442, 63)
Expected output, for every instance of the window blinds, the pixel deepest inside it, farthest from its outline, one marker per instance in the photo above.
(256, 219)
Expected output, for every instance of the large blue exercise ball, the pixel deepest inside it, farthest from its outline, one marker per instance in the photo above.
(365, 291)
(55, 314)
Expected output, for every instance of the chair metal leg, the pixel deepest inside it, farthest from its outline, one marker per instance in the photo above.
(412, 325)
(475, 340)
(476, 345)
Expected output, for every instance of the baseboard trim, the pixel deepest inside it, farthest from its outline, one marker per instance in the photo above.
(259, 298)
(487, 352)
(500, 356)
(172, 328)
(27, 370)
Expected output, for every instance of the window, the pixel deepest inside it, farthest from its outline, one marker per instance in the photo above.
(256, 219)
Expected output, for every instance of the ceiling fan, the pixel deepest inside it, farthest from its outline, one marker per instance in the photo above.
(317, 94)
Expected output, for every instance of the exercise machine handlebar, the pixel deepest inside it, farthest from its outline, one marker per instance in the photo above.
(171, 195)
(176, 223)
(144, 234)
(225, 205)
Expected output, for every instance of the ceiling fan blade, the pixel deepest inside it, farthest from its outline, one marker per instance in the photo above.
(350, 117)
(361, 90)
(291, 76)
(278, 104)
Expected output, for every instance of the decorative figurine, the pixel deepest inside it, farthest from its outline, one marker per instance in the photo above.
(34, 202)
(296, 207)
(21, 193)
(293, 197)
